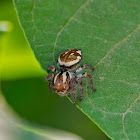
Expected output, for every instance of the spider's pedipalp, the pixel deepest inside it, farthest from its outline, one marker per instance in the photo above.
(84, 75)
(81, 87)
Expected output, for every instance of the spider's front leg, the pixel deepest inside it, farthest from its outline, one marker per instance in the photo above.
(51, 86)
(83, 67)
(53, 69)
(84, 75)
(73, 88)
(49, 79)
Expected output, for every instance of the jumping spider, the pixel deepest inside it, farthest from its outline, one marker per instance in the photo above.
(65, 81)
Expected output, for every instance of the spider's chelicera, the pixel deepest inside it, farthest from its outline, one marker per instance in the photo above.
(64, 82)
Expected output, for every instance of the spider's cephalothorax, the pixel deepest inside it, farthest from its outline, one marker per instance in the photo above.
(65, 81)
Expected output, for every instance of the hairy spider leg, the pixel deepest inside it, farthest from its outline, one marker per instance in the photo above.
(83, 67)
(73, 87)
(51, 85)
(86, 75)
(49, 79)
(53, 69)
(81, 87)
(69, 91)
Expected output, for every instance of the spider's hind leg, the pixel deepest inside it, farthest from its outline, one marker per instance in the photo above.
(69, 92)
(79, 80)
(84, 75)
(83, 67)
(73, 88)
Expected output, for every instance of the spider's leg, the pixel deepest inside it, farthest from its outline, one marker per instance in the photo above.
(83, 67)
(51, 85)
(84, 75)
(49, 77)
(53, 69)
(73, 87)
(69, 91)
(81, 87)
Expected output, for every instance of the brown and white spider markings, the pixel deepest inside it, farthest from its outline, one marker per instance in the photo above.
(65, 81)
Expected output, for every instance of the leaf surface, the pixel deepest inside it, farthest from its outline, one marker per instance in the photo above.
(108, 32)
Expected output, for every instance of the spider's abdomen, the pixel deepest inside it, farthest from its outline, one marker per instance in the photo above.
(69, 59)
(61, 83)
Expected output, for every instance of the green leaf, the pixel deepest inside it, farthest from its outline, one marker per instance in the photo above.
(108, 33)
(33, 102)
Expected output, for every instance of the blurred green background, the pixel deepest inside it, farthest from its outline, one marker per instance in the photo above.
(27, 94)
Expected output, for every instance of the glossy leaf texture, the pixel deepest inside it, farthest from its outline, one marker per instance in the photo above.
(108, 32)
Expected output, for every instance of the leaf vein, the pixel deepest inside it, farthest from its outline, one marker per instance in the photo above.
(125, 113)
(119, 43)
(67, 23)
